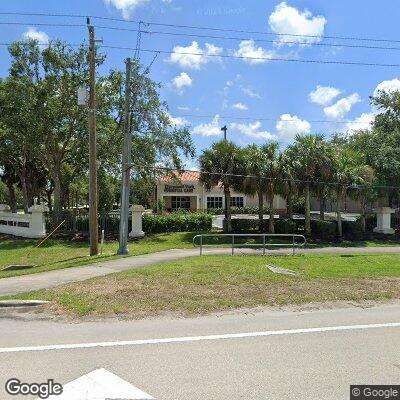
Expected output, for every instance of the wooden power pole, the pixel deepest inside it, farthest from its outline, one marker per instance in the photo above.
(126, 165)
(93, 203)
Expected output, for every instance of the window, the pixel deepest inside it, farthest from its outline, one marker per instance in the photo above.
(180, 203)
(214, 202)
(237, 202)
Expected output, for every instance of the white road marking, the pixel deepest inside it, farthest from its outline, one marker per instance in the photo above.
(197, 338)
(100, 384)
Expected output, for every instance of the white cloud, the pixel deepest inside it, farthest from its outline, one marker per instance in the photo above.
(126, 6)
(178, 122)
(34, 34)
(240, 106)
(183, 57)
(287, 19)
(363, 122)
(323, 95)
(211, 129)
(388, 86)
(181, 81)
(253, 130)
(342, 106)
(289, 126)
(248, 48)
(183, 108)
(250, 93)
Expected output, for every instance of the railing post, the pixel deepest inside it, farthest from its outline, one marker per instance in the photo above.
(264, 245)
(233, 244)
(201, 245)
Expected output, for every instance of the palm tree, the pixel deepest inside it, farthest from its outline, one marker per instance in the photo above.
(364, 194)
(305, 153)
(218, 166)
(254, 158)
(323, 175)
(272, 169)
(347, 172)
(288, 185)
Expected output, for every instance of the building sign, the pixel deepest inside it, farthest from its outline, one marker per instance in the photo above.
(179, 188)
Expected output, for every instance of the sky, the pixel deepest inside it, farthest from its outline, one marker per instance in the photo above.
(258, 98)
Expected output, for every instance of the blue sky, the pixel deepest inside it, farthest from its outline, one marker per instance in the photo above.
(293, 95)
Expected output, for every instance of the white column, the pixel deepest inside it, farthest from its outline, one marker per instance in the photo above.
(37, 225)
(383, 215)
(137, 230)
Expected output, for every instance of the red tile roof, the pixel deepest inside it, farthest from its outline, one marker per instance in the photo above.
(186, 176)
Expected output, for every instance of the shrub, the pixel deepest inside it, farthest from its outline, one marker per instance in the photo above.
(352, 230)
(237, 210)
(177, 222)
(245, 225)
(370, 222)
(283, 226)
(324, 230)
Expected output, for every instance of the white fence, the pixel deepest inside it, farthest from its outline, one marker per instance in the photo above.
(30, 225)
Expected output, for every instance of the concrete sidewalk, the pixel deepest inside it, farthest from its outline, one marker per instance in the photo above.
(45, 280)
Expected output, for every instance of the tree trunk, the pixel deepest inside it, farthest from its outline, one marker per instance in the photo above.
(339, 215)
(11, 196)
(260, 211)
(49, 200)
(322, 208)
(271, 214)
(362, 217)
(228, 215)
(57, 192)
(307, 221)
(25, 197)
(289, 205)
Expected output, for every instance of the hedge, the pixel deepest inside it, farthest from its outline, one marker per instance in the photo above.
(324, 230)
(245, 225)
(237, 210)
(352, 230)
(288, 226)
(182, 222)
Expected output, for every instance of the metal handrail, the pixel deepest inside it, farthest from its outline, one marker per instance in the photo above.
(294, 244)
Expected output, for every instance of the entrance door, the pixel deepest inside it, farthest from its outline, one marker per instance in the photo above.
(180, 203)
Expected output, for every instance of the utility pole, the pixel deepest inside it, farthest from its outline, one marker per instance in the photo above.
(224, 129)
(93, 222)
(126, 165)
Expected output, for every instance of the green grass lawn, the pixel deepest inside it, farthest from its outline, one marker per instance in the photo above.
(57, 254)
(215, 283)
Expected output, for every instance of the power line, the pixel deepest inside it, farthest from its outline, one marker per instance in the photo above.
(265, 119)
(307, 61)
(209, 28)
(267, 178)
(232, 56)
(179, 34)
(43, 24)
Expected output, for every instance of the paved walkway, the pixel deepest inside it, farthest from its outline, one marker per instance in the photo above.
(45, 280)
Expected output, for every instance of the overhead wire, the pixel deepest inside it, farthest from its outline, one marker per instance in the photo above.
(209, 28)
(266, 178)
(239, 57)
(255, 118)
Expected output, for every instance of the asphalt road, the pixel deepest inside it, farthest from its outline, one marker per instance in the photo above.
(283, 355)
